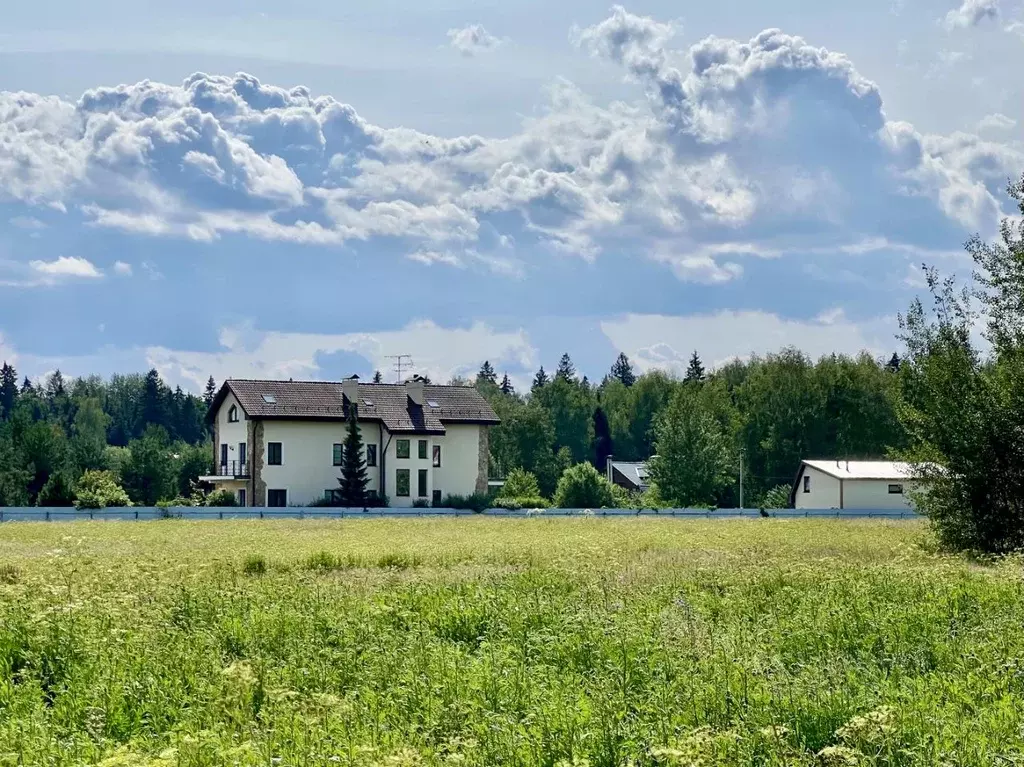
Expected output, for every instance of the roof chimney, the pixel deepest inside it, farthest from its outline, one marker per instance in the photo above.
(350, 388)
(414, 388)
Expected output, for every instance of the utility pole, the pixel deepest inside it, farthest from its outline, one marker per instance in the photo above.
(401, 361)
(741, 481)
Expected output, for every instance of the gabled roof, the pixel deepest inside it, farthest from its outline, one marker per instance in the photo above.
(386, 403)
(633, 473)
(894, 470)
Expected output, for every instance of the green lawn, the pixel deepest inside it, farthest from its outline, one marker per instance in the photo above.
(504, 642)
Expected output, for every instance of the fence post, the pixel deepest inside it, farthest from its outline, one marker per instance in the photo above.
(220, 514)
(47, 515)
(90, 514)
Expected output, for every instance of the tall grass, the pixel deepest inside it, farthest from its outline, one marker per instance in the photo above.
(504, 642)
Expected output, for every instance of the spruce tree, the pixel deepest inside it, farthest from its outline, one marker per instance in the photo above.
(506, 386)
(695, 371)
(154, 404)
(211, 391)
(377, 377)
(26, 386)
(623, 370)
(353, 467)
(8, 390)
(540, 380)
(487, 373)
(893, 366)
(566, 370)
(602, 439)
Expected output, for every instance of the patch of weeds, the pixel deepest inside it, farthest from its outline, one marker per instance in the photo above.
(9, 574)
(255, 564)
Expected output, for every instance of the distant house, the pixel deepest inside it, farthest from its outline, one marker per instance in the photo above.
(830, 484)
(281, 443)
(630, 475)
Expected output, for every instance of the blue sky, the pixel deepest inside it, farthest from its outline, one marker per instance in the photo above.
(303, 191)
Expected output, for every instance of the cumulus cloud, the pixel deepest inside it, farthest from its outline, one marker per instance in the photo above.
(971, 13)
(472, 39)
(122, 268)
(666, 341)
(66, 267)
(769, 142)
(995, 123)
(437, 352)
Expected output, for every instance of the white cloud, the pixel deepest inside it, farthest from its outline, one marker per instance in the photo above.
(725, 149)
(971, 13)
(65, 267)
(27, 222)
(7, 353)
(472, 39)
(996, 123)
(665, 341)
(437, 352)
(1016, 28)
(122, 268)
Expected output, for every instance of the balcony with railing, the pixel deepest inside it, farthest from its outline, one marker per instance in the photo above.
(229, 470)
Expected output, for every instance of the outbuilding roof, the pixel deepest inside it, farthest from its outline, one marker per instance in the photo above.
(388, 403)
(894, 470)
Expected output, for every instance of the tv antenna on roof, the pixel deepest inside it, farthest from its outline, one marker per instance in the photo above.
(401, 361)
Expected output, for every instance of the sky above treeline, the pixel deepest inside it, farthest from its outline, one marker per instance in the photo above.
(304, 191)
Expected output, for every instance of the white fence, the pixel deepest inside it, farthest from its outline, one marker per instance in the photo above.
(62, 514)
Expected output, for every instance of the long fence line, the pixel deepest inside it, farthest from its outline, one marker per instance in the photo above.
(64, 514)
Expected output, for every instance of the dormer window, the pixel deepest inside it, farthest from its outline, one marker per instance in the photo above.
(270, 399)
(233, 414)
(432, 403)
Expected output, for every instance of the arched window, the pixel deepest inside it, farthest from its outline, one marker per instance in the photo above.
(233, 414)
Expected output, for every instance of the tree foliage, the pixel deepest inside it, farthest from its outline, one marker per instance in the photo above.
(583, 487)
(622, 370)
(98, 490)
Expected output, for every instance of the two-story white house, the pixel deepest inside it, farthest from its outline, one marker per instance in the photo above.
(280, 443)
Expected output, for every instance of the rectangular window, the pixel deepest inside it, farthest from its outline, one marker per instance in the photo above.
(402, 483)
(436, 500)
(241, 497)
(371, 455)
(241, 456)
(224, 454)
(422, 484)
(895, 489)
(273, 454)
(332, 495)
(807, 484)
(277, 498)
(337, 453)
(423, 450)
(402, 448)
(437, 456)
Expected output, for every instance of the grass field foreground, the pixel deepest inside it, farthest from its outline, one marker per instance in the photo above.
(504, 642)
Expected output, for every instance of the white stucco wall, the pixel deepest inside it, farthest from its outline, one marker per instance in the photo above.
(824, 491)
(856, 493)
(413, 463)
(231, 434)
(460, 449)
(874, 494)
(307, 469)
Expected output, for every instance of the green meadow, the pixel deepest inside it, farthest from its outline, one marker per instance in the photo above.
(505, 642)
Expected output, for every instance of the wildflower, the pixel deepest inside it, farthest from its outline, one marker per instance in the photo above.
(839, 756)
(867, 728)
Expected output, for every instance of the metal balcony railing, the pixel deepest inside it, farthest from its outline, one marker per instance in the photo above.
(236, 469)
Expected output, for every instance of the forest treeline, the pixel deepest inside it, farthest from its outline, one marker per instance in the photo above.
(773, 411)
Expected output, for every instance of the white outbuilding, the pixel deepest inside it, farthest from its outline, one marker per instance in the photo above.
(831, 484)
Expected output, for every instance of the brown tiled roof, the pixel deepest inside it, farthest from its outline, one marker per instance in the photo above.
(387, 403)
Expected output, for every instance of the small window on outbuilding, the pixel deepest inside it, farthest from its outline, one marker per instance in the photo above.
(807, 483)
(895, 489)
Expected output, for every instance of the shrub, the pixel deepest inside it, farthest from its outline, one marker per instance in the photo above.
(520, 483)
(98, 490)
(421, 503)
(514, 504)
(583, 487)
(175, 502)
(776, 498)
(221, 498)
(255, 564)
(59, 490)
(375, 500)
(323, 503)
(476, 502)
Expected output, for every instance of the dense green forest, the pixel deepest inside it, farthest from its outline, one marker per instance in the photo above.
(772, 411)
